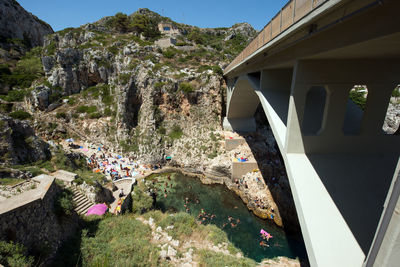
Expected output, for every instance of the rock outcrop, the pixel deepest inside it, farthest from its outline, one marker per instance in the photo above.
(392, 120)
(19, 144)
(17, 23)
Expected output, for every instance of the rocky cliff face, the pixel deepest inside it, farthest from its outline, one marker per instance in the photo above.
(19, 144)
(17, 23)
(121, 89)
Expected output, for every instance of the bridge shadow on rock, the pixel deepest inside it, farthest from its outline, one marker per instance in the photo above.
(269, 159)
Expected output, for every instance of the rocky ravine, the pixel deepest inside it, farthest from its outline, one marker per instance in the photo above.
(148, 101)
(117, 87)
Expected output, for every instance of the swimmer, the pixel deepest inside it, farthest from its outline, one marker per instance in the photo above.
(165, 195)
(235, 207)
(230, 218)
(238, 221)
(233, 225)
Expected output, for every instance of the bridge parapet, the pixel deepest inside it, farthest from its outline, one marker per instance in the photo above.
(292, 12)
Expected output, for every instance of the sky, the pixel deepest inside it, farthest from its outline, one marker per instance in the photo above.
(61, 14)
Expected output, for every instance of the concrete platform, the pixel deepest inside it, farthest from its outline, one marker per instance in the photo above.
(65, 176)
(241, 168)
(233, 143)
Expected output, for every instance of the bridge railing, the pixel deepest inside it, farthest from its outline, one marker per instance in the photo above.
(292, 12)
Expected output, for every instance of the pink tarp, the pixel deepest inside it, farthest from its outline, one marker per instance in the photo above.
(98, 209)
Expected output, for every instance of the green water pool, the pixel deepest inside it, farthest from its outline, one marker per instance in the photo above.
(215, 204)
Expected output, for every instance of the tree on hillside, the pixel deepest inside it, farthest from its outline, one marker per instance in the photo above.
(146, 25)
(120, 22)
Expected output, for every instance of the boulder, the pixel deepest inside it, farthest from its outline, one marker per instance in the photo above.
(19, 144)
(48, 63)
(41, 97)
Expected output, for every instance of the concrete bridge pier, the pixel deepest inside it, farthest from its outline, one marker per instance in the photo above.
(321, 117)
(242, 119)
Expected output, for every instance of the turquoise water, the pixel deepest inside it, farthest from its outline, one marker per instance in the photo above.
(217, 200)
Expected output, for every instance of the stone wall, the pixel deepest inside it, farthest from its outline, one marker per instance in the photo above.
(29, 219)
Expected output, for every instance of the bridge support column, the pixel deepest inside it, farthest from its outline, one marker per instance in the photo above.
(334, 117)
(240, 124)
(242, 104)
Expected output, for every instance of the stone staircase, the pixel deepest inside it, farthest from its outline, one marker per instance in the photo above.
(82, 203)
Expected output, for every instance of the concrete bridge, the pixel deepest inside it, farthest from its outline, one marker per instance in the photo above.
(342, 168)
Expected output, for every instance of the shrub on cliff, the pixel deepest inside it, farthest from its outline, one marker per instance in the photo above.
(358, 97)
(183, 223)
(12, 254)
(28, 69)
(20, 115)
(141, 202)
(170, 52)
(186, 87)
(176, 132)
(15, 95)
(64, 203)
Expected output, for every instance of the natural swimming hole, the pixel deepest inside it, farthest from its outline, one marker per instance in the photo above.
(215, 204)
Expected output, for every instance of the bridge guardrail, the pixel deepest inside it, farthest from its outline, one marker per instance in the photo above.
(292, 12)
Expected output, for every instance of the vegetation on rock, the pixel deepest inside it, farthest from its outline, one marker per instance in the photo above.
(12, 254)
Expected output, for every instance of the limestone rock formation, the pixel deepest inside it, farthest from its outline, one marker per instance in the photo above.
(17, 23)
(243, 29)
(19, 144)
(392, 120)
(149, 101)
